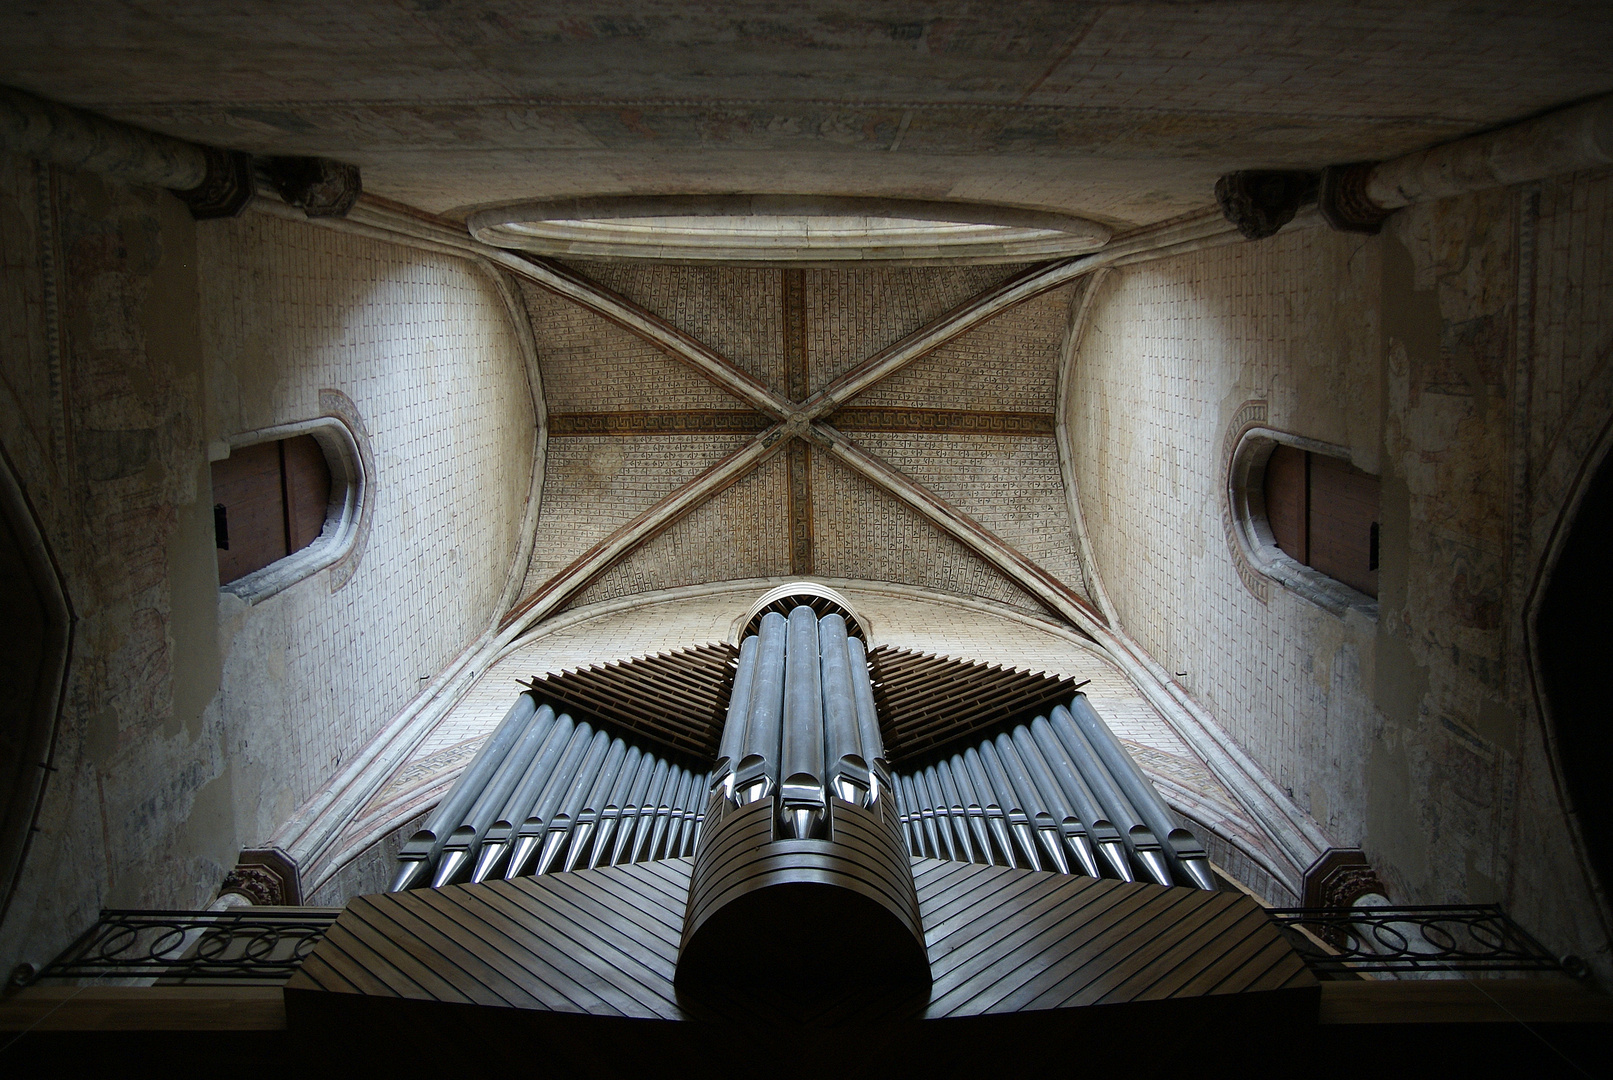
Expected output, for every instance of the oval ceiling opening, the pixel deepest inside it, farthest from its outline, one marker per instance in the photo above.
(785, 230)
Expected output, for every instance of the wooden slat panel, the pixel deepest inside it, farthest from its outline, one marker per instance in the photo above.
(1007, 940)
(927, 701)
(678, 699)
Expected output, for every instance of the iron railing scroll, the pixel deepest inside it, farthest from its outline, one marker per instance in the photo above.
(238, 945)
(1463, 938)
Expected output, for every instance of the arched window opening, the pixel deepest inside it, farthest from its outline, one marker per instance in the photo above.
(1323, 514)
(270, 501)
(1573, 636)
(1304, 517)
(285, 507)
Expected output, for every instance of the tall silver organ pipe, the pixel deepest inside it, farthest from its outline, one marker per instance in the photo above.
(496, 842)
(1056, 793)
(756, 775)
(842, 735)
(529, 834)
(955, 809)
(676, 782)
(456, 853)
(1073, 833)
(1102, 831)
(588, 817)
(560, 825)
(1019, 822)
(611, 812)
(420, 853)
(628, 821)
(1139, 838)
(1039, 823)
(804, 804)
(732, 746)
(1181, 847)
(644, 813)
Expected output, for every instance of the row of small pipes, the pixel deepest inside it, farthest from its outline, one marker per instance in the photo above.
(1057, 793)
(544, 793)
(801, 722)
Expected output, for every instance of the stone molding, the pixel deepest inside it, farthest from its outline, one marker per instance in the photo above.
(1338, 878)
(266, 876)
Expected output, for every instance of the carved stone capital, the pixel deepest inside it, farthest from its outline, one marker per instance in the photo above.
(317, 186)
(229, 186)
(1261, 201)
(1344, 202)
(265, 876)
(1340, 877)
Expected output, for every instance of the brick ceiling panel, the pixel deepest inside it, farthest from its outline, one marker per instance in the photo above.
(1008, 363)
(1012, 486)
(595, 484)
(591, 365)
(860, 531)
(854, 313)
(735, 310)
(742, 533)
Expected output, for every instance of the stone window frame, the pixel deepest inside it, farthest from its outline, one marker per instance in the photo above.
(1259, 560)
(347, 516)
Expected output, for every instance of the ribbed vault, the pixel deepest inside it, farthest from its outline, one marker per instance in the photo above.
(723, 423)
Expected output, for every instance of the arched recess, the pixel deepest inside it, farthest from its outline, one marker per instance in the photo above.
(344, 444)
(33, 670)
(1254, 546)
(1571, 639)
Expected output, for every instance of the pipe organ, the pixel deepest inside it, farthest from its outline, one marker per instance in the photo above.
(801, 798)
(1057, 793)
(545, 793)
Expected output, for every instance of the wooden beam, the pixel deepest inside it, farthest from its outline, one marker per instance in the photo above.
(943, 421)
(657, 422)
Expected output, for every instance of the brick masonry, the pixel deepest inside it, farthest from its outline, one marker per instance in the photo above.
(1463, 356)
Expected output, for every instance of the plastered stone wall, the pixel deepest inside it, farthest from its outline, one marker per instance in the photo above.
(135, 340)
(1410, 734)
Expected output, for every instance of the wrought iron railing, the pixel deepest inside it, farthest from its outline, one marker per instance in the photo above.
(1430, 938)
(239, 945)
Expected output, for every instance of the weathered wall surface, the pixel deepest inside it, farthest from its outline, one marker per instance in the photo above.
(134, 339)
(1411, 734)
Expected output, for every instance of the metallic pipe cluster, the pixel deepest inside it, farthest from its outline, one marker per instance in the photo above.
(547, 793)
(1059, 793)
(801, 722)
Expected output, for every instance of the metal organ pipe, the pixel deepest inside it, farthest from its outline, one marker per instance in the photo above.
(943, 819)
(1100, 830)
(955, 808)
(996, 820)
(757, 774)
(529, 834)
(456, 853)
(611, 812)
(588, 817)
(972, 807)
(676, 782)
(848, 768)
(422, 849)
(496, 841)
(1139, 838)
(576, 792)
(1071, 830)
(873, 744)
(643, 814)
(1181, 847)
(1019, 822)
(733, 729)
(1042, 824)
(627, 821)
(802, 764)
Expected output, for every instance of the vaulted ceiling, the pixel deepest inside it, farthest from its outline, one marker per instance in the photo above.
(889, 424)
(1123, 112)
